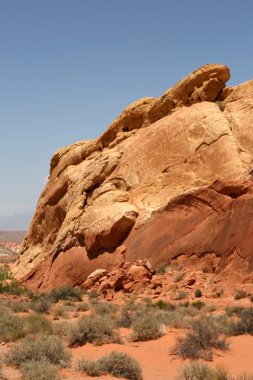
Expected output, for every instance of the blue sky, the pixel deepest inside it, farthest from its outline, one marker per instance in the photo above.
(69, 67)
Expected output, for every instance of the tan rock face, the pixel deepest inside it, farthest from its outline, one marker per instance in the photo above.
(120, 188)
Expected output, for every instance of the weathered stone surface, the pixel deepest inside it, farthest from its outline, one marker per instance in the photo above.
(147, 183)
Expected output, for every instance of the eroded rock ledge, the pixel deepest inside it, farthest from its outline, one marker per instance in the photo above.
(147, 183)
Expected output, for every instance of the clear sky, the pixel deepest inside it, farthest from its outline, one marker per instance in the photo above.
(69, 67)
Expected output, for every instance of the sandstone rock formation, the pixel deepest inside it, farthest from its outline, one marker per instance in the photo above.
(170, 177)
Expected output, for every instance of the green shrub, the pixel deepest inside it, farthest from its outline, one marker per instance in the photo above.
(67, 293)
(39, 370)
(48, 348)
(41, 304)
(198, 293)
(147, 327)
(120, 365)
(196, 371)
(8, 284)
(207, 333)
(94, 329)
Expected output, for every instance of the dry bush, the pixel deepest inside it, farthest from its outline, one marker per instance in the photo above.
(129, 313)
(20, 306)
(207, 333)
(11, 326)
(147, 327)
(105, 308)
(176, 318)
(117, 364)
(41, 370)
(37, 324)
(67, 293)
(61, 328)
(94, 329)
(41, 304)
(47, 348)
(196, 371)
(82, 306)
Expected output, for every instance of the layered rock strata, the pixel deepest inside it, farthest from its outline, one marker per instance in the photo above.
(150, 183)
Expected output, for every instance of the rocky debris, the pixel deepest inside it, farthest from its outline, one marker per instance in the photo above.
(150, 183)
(129, 278)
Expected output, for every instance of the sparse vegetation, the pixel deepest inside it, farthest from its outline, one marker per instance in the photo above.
(147, 327)
(207, 333)
(47, 348)
(11, 326)
(94, 329)
(41, 304)
(67, 293)
(8, 284)
(39, 370)
(240, 294)
(117, 364)
(196, 371)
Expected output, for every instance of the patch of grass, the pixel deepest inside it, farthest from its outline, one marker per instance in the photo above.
(61, 328)
(89, 367)
(105, 308)
(147, 327)
(39, 370)
(60, 312)
(94, 329)
(162, 305)
(47, 348)
(177, 319)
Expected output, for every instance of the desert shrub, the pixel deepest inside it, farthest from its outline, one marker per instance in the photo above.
(220, 373)
(179, 277)
(94, 329)
(162, 305)
(8, 284)
(147, 327)
(198, 304)
(39, 370)
(60, 312)
(82, 306)
(198, 293)
(129, 313)
(162, 269)
(37, 324)
(11, 327)
(48, 348)
(61, 328)
(67, 293)
(2, 375)
(20, 306)
(196, 371)
(105, 308)
(243, 325)
(89, 367)
(207, 333)
(240, 294)
(181, 296)
(176, 318)
(41, 304)
(120, 365)
(233, 310)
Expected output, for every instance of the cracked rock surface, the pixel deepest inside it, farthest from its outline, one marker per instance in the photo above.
(157, 181)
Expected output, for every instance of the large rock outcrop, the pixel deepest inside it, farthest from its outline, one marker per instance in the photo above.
(147, 183)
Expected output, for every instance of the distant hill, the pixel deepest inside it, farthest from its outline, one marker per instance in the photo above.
(12, 236)
(18, 222)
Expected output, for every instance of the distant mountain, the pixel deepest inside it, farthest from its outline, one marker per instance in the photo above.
(18, 222)
(12, 236)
